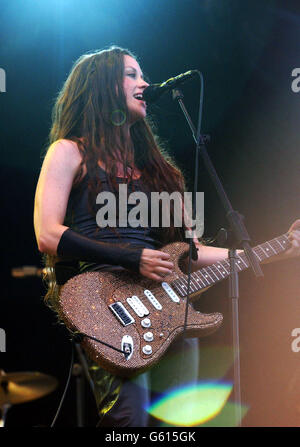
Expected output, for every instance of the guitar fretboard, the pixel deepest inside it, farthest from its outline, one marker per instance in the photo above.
(209, 275)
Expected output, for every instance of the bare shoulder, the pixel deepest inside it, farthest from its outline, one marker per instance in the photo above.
(64, 152)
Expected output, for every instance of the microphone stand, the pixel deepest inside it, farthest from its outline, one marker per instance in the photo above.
(81, 371)
(240, 238)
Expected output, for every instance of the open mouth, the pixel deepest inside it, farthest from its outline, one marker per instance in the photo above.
(138, 96)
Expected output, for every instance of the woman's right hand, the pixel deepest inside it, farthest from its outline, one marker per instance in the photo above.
(154, 264)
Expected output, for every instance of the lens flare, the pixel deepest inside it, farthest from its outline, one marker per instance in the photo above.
(191, 405)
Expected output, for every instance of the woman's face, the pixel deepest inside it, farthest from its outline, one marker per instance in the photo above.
(134, 85)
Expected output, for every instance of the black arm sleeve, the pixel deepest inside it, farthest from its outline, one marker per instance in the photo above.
(78, 247)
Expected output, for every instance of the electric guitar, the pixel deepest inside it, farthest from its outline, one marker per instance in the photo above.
(128, 321)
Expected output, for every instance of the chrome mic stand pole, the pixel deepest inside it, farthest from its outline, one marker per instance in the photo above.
(241, 237)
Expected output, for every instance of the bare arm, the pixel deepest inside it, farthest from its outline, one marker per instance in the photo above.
(52, 193)
(207, 255)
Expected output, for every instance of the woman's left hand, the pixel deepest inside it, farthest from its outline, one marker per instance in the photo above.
(294, 238)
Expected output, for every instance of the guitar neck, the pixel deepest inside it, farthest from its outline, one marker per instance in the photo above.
(211, 274)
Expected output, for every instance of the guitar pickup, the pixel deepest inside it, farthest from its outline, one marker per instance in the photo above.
(121, 313)
(170, 292)
(138, 307)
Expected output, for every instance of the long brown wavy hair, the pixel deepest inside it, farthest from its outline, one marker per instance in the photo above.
(91, 110)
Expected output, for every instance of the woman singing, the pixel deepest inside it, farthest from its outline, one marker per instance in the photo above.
(100, 138)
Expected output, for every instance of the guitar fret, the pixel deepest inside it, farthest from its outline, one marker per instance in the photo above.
(271, 248)
(285, 240)
(219, 271)
(206, 274)
(180, 290)
(204, 280)
(266, 250)
(222, 267)
(255, 252)
(183, 288)
(195, 281)
(237, 263)
(209, 275)
(211, 269)
(199, 279)
(216, 271)
(184, 283)
(275, 245)
(225, 262)
(280, 244)
(241, 258)
(192, 285)
(179, 287)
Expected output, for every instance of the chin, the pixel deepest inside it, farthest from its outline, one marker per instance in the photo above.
(137, 117)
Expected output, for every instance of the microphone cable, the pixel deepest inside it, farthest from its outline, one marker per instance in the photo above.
(66, 386)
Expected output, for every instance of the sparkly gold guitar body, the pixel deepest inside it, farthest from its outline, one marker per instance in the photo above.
(140, 318)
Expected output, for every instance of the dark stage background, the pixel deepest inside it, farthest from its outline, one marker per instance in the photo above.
(246, 51)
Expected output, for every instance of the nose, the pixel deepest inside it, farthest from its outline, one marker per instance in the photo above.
(143, 84)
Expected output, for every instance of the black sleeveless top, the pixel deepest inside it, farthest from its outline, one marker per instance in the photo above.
(80, 219)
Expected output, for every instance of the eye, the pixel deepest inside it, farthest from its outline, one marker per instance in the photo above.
(131, 75)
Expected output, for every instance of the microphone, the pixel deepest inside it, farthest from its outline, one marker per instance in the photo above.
(154, 91)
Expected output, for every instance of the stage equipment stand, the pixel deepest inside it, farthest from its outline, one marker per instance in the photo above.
(240, 239)
(81, 372)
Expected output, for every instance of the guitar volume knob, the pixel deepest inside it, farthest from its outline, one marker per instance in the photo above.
(148, 336)
(147, 349)
(146, 322)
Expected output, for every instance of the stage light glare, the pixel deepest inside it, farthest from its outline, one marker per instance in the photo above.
(191, 405)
